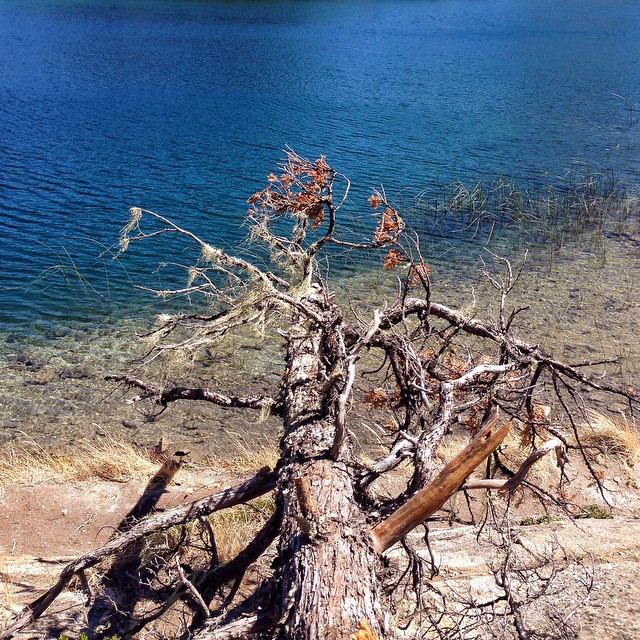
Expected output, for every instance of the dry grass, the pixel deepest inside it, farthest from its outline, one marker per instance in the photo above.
(12, 585)
(451, 446)
(8, 605)
(244, 456)
(109, 459)
(236, 527)
(610, 435)
(115, 460)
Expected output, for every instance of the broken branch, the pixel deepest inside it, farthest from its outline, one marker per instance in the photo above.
(427, 501)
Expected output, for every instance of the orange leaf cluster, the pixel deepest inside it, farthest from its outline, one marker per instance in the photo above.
(390, 425)
(536, 424)
(376, 397)
(418, 273)
(375, 200)
(319, 171)
(308, 204)
(393, 259)
(300, 190)
(316, 215)
(455, 365)
(389, 226)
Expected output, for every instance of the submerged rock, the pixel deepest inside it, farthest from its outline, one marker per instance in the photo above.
(78, 372)
(30, 361)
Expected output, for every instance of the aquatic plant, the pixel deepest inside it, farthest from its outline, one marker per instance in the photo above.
(544, 212)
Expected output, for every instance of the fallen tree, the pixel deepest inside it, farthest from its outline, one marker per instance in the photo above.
(437, 369)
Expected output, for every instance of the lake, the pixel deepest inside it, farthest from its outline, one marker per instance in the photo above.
(184, 107)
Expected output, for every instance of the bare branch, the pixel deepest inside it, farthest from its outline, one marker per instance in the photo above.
(195, 594)
(341, 413)
(514, 482)
(241, 627)
(261, 483)
(428, 500)
(190, 393)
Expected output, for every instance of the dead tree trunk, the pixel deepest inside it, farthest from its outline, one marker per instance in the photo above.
(437, 370)
(327, 563)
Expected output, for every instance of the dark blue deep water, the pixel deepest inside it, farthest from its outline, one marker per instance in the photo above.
(184, 107)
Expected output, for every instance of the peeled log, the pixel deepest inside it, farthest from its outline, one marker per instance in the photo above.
(428, 500)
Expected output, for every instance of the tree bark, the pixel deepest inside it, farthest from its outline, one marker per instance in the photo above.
(327, 562)
(329, 581)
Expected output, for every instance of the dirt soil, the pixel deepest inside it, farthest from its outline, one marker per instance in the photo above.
(45, 526)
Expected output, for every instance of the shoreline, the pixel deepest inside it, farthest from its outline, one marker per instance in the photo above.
(82, 514)
(54, 390)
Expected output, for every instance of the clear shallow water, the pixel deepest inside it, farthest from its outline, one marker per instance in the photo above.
(184, 107)
(583, 302)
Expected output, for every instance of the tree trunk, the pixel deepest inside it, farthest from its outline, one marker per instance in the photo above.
(329, 581)
(327, 561)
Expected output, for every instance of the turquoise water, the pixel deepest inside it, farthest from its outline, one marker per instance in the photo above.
(183, 107)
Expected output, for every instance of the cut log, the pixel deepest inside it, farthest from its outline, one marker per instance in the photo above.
(427, 501)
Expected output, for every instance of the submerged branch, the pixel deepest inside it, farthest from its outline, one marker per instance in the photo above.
(261, 403)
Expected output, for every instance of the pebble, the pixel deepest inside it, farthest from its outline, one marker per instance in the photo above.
(79, 372)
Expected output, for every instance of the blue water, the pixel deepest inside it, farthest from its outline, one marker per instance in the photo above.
(184, 107)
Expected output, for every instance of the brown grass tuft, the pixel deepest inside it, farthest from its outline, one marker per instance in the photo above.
(244, 456)
(109, 459)
(612, 436)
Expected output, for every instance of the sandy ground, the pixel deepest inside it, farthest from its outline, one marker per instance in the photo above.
(45, 526)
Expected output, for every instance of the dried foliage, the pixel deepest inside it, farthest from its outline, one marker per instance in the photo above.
(612, 435)
(364, 632)
(109, 459)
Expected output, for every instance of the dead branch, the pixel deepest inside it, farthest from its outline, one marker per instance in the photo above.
(190, 587)
(428, 500)
(514, 482)
(242, 627)
(189, 393)
(261, 483)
